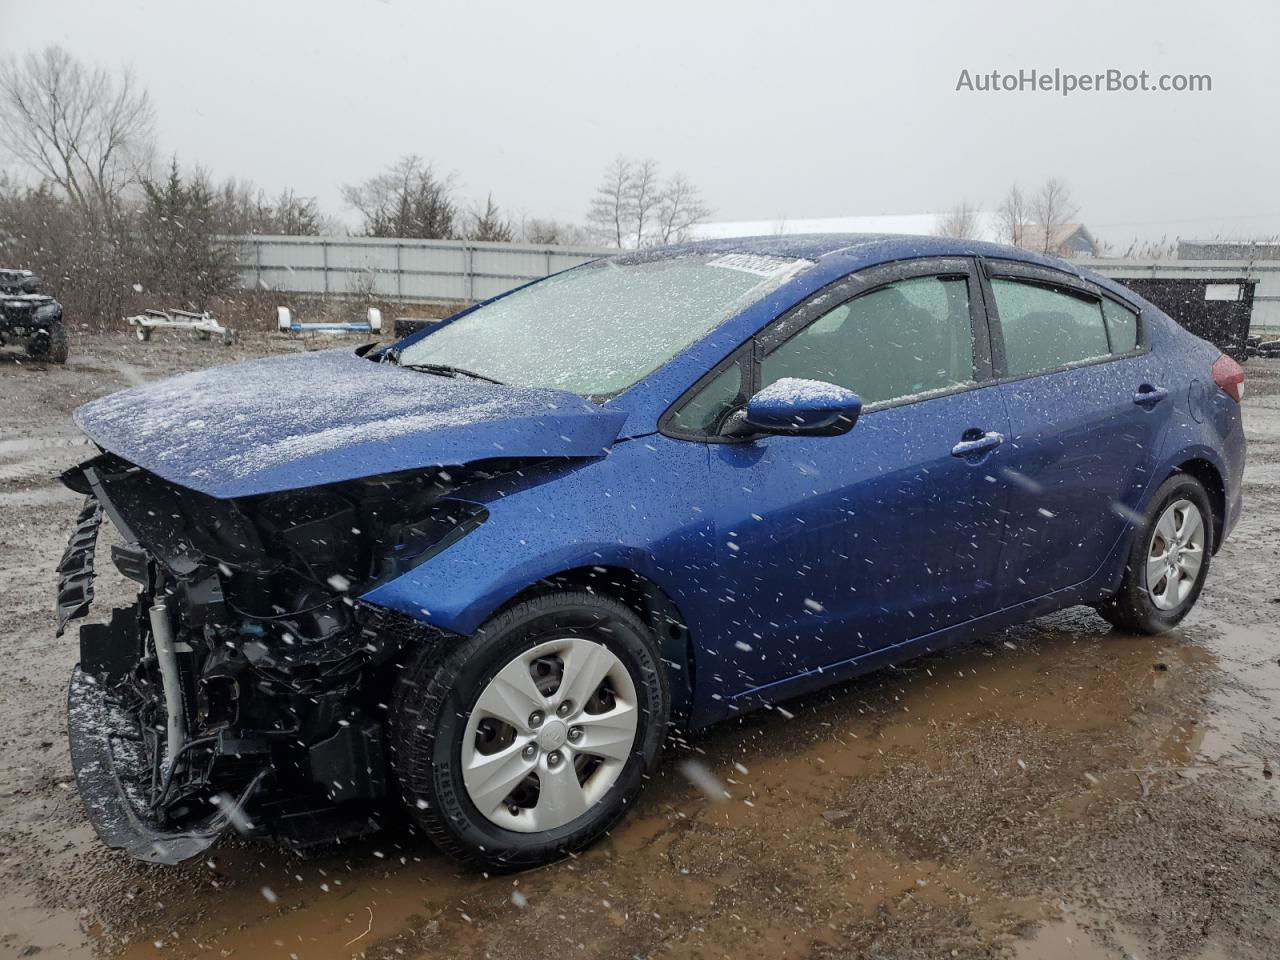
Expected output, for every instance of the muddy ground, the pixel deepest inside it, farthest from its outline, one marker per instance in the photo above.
(1056, 790)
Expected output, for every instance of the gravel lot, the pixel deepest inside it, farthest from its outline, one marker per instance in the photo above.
(1056, 790)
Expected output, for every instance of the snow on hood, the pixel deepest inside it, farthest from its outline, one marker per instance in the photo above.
(295, 421)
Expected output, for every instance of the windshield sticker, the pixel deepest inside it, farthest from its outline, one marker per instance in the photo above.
(761, 266)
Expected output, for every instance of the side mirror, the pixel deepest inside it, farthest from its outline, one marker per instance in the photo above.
(799, 407)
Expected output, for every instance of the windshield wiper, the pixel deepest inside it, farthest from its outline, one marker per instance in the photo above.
(444, 370)
(439, 369)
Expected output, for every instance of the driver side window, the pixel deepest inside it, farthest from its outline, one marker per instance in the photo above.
(909, 337)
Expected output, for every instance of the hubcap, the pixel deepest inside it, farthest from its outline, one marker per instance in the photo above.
(1175, 554)
(522, 767)
(553, 735)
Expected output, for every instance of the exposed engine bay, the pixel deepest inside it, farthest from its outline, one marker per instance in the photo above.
(245, 687)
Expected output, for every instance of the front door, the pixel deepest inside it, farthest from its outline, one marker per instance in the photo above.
(831, 547)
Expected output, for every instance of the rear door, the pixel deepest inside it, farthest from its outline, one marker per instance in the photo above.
(1087, 409)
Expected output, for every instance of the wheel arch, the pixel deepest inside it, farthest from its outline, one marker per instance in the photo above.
(650, 601)
(1210, 477)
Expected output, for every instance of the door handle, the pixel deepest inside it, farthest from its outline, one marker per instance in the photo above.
(1148, 396)
(979, 444)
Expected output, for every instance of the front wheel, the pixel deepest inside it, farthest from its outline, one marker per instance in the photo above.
(529, 740)
(51, 345)
(1168, 560)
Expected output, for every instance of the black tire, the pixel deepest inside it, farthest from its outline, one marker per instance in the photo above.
(433, 699)
(1131, 608)
(57, 343)
(51, 346)
(142, 333)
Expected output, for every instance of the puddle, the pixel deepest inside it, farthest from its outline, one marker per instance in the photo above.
(834, 816)
(1060, 790)
(1071, 938)
(27, 926)
(1066, 939)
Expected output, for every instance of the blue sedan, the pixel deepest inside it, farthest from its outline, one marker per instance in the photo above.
(486, 568)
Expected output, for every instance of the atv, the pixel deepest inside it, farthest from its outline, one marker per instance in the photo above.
(31, 318)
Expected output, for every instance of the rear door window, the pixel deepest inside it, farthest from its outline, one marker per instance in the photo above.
(1045, 327)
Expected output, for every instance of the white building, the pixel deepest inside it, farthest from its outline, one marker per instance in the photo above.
(912, 223)
(1069, 239)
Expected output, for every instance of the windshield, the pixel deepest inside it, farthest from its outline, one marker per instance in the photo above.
(600, 328)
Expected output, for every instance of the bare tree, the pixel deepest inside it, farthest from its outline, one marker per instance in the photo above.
(405, 200)
(1014, 216)
(1052, 209)
(960, 222)
(633, 208)
(240, 205)
(294, 216)
(243, 208)
(80, 128)
(609, 216)
(548, 231)
(489, 224)
(644, 200)
(680, 210)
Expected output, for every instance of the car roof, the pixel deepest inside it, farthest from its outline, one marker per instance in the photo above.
(866, 248)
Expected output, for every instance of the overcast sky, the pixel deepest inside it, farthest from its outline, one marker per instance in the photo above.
(775, 109)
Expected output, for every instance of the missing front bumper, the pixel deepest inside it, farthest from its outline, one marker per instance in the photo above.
(112, 766)
(269, 727)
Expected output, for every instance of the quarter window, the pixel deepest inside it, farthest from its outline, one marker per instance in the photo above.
(906, 338)
(1122, 326)
(700, 414)
(1045, 328)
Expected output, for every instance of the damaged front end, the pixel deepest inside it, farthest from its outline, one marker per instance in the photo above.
(246, 687)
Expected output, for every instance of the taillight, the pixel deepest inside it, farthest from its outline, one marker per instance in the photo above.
(1229, 376)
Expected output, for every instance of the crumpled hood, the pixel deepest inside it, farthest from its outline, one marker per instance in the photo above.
(305, 419)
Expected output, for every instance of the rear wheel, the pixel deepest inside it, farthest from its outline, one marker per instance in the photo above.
(530, 739)
(1168, 560)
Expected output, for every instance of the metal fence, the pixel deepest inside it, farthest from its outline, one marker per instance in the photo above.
(425, 270)
(460, 270)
